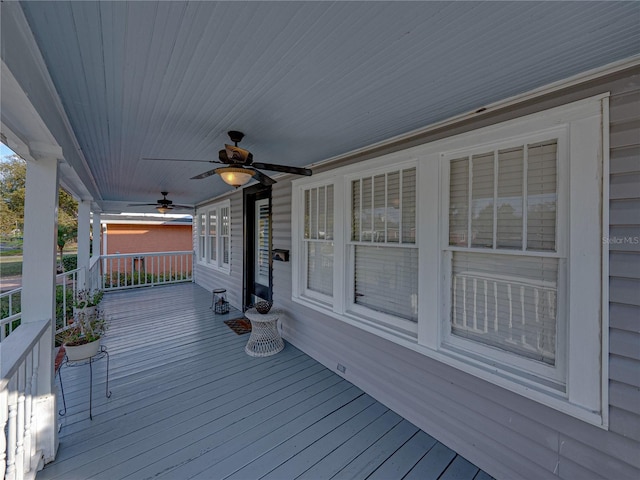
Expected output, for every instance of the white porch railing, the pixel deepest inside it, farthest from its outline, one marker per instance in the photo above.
(10, 311)
(146, 269)
(23, 412)
(106, 272)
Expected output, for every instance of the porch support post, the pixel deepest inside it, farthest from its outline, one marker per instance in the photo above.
(39, 289)
(84, 241)
(96, 230)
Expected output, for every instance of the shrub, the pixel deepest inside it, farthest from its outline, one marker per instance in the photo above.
(70, 262)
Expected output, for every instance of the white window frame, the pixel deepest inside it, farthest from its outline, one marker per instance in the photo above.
(363, 312)
(304, 263)
(578, 386)
(555, 374)
(203, 236)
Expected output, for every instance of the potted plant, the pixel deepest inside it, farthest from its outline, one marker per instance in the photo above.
(87, 301)
(81, 339)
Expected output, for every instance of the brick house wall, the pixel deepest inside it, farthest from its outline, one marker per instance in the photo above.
(139, 238)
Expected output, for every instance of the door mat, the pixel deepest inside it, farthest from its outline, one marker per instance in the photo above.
(239, 325)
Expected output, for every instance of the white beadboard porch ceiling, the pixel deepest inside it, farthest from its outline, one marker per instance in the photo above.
(305, 81)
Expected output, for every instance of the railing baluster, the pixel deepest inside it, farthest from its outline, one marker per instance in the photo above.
(20, 421)
(11, 429)
(4, 416)
(486, 309)
(464, 302)
(475, 306)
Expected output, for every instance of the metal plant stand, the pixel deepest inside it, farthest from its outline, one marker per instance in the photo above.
(66, 363)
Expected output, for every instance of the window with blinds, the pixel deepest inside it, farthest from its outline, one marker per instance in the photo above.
(383, 243)
(318, 239)
(502, 249)
(214, 225)
(202, 234)
(225, 234)
(213, 237)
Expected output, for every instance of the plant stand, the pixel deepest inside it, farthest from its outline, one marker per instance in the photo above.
(67, 363)
(265, 339)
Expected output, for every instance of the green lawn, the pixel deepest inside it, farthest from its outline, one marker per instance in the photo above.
(11, 268)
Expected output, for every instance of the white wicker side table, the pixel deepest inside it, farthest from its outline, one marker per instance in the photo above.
(265, 339)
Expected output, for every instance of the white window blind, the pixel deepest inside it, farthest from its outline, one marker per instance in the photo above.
(262, 244)
(202, 231)
(386, 280)
(318, 239)
(383, 243)
(507, 302)
(541, 196)
(225, 234)
(213, 239)
(505, 201)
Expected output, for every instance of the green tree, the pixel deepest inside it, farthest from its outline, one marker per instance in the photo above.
(13, 171)
(67, 221)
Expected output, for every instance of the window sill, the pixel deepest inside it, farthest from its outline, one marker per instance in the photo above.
(216, 268)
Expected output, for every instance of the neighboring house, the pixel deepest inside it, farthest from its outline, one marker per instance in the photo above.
(145, 234)
(476, 277)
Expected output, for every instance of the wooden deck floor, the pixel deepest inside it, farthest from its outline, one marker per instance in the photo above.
(187, 402)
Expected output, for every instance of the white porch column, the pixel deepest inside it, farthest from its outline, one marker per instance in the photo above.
(95, 231)
(39, 287)
(84, 240)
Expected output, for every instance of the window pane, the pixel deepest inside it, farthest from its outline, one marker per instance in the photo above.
(379, 208)
(386, 280)
(313, 213)
(224, 213)
(510, 174)
(482, 200)
(212, 249)
(329, 212)
(202, 230)
(508, 302)
(225, 250)
(367, 214)
(459, 202)
(307, 214)
(393, 207)
(320, 267)
(355, 215)
(213, 226)
(322, 214)
(409, 206)
(542, 196)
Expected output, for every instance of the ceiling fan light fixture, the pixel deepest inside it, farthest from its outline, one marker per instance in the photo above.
(235, 176)
(164, 208)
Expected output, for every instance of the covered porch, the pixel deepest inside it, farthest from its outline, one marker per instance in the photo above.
(187, 402)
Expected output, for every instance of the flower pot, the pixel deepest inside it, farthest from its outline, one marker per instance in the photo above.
(82, 352)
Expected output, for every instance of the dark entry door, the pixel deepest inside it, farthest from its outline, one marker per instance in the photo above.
(257, 244)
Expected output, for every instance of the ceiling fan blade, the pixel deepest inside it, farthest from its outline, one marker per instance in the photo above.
(205, 174)
(283, 168)
(187, 207)
(179, 160)
(264, 179)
